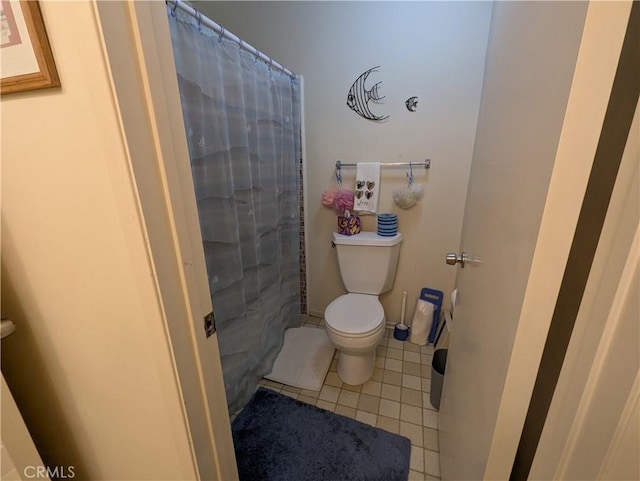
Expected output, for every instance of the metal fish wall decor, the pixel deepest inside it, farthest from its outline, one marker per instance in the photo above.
(359, 97)
(412, 104)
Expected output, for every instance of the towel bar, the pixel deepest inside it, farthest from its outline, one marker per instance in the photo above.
(426, 163)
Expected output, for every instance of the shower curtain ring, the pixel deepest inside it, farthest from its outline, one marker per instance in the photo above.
(199, 19)
(270, 63)
(175, 5)
(222, 30)
(255, 59)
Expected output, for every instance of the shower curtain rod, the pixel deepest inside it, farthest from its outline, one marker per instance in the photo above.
(220, 30)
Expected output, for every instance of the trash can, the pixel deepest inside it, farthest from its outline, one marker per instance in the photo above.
(437, 376)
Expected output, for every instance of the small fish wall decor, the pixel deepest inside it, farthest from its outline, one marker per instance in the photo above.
(412, 104)
(359, 97)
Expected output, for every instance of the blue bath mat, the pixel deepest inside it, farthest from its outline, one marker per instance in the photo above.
(279, 438)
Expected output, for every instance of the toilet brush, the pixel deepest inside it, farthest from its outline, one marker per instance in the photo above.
(401, 331)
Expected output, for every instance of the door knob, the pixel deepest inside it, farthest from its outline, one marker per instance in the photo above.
(453, 258)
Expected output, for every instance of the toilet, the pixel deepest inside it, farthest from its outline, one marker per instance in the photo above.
(355, 322)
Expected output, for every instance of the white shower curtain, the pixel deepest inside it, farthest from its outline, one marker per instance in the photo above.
(242, 121)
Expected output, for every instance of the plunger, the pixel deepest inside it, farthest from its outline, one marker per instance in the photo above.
(401, 331)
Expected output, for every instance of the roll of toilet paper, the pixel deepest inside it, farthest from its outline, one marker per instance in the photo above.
(421, 324)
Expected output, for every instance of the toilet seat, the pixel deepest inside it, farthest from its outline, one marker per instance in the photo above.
(355, 315)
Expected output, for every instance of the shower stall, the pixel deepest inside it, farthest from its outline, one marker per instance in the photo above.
(242, 118)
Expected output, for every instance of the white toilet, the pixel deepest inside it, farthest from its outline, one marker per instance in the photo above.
(355, 322)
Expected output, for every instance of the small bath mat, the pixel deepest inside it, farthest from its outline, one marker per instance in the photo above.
(304, 359)
(277, 438)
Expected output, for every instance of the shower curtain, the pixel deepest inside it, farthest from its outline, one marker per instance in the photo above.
(242, 121)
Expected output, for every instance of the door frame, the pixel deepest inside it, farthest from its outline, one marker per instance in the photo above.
(611, 143)
(580, 438)
(144, 82)
(596, 67)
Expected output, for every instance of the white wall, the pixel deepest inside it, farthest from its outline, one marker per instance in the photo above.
(90, 364)
(433, 50)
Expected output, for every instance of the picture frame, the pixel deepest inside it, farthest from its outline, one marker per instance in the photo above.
(25, 52)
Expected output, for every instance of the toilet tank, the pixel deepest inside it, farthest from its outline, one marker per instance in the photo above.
(367, 261)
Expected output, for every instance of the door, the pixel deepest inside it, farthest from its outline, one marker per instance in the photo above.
(546, 62)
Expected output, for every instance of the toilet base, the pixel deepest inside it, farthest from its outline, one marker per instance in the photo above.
(356, 369)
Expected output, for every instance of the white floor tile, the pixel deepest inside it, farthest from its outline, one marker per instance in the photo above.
(348, 398)
(367, 418)
(413, 432)
(430, 419)
(417, 458)
(390, 391)
(411, 414)
(412, 357)
(390, 409)
(393, 365)
(372, 388)
(329, 393)
(412, 382)
(432, 463)
(415, 475)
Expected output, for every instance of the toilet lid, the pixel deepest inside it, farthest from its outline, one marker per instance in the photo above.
(354, 313)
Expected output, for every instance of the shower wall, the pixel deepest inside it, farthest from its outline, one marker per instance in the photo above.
(432, 50)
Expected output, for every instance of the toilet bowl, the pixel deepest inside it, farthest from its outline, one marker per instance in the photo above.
(355, 325)
(355, 321)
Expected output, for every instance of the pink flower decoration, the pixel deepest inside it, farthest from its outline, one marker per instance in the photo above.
(343, 200)
(327, 197)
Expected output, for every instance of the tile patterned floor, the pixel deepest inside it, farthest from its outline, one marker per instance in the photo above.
(396, 399)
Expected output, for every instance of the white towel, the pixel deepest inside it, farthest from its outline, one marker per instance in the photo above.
(367, 187)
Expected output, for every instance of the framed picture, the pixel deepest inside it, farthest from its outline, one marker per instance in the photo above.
(25, 53)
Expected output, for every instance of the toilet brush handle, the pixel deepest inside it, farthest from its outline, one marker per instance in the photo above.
(404, 306)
